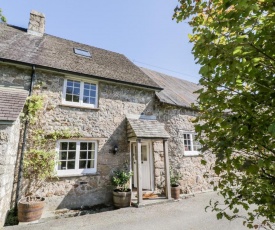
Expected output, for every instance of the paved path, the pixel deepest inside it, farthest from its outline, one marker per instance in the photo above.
(186, 214)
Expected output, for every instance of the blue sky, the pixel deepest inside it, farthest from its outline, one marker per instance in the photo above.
(141, 30)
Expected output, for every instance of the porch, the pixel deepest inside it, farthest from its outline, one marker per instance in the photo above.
(142, 132)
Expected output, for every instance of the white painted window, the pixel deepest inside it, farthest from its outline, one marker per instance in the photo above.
(191, 145)
(76, 157)
(79, 93)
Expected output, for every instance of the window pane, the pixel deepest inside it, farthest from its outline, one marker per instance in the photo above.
(71, 165)
(187, 148)
(87, 86)
(92, 101)
(62, 165)
(83, 155)
(143, 153)
(69, 90)
(186, 136)
(72, 146)
(85, 99)
(69, 97)
(89, 155)
(77, 91)
(69, 83)
(83, 145)
(71, 155)
(63, 156)
(92, 155)
(93, 87)
(75, 98)
(91, 164)
(86, 92)
(82, 164)
(187, 142)
(63, 145)
(77, 84)
(93, 93)
(91, 146)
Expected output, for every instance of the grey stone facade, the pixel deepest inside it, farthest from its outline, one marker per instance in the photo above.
(9, 138)
(107, 125)
(177, 119)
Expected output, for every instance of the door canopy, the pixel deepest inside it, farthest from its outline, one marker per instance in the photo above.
(145, 127)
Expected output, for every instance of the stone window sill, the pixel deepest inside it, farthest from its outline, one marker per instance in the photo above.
(79, 175)
(79, 106)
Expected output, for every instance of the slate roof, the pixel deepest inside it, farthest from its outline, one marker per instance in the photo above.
(58, 54)
(142, 128)
(175, 91)
(11, 103)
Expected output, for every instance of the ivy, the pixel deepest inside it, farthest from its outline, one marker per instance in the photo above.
(33, 105)
(40, 158)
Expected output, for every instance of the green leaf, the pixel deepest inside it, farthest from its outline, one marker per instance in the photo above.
(271, 129)
(237, 50)
(219, 215)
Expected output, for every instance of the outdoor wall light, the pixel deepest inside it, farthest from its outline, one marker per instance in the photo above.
(115, 149)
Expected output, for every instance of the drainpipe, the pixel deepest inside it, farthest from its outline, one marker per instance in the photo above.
(23, 148)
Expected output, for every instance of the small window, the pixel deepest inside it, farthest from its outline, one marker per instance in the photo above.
(80, 93)
(76, 157)
(81, 52)
(191, 145)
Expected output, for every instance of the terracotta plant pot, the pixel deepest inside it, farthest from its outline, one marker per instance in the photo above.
(30, 209)
(175, 192)
(122, 199)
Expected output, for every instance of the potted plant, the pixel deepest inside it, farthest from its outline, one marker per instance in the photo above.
(175, 177)
(38, 166)
(122, 193)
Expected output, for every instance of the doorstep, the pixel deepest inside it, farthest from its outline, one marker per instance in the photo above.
(149, 198)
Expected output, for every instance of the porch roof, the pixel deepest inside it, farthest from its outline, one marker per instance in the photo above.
(12, 101)
(143, 128)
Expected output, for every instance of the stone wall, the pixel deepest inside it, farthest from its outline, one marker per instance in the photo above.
(107, 125)
(176, 120)
(9, 138)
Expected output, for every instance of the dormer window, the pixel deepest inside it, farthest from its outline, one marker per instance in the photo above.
(81, 52)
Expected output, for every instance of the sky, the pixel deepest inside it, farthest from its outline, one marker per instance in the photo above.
(141, 30)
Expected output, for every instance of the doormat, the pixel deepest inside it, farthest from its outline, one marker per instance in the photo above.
(149, 195)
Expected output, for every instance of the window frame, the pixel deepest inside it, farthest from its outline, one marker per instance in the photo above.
(76, 171)
(190, 152)
(81, 94)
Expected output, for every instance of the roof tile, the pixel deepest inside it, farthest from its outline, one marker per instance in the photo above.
(57, 53)
(10, 109)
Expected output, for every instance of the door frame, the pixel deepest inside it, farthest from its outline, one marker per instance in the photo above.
(151, 165)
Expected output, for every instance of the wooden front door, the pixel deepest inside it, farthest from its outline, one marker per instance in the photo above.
(145, 163)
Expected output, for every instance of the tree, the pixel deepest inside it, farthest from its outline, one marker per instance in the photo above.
(2, 18)
(234, 42)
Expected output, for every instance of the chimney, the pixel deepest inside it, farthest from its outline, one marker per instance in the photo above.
(36, 23)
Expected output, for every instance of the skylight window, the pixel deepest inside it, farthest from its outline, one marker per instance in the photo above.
(84, 53)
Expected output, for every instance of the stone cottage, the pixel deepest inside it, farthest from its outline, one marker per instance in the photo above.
(122, 113)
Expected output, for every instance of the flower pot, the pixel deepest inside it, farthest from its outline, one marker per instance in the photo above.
(122, 199)
(175, 192)
(30, 209)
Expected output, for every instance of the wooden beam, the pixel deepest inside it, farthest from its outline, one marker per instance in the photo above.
(139, 172)
(166, 169)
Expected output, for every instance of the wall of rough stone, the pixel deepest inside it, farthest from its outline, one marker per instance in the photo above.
(176, 120)
(9, 138)
(107, 125)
